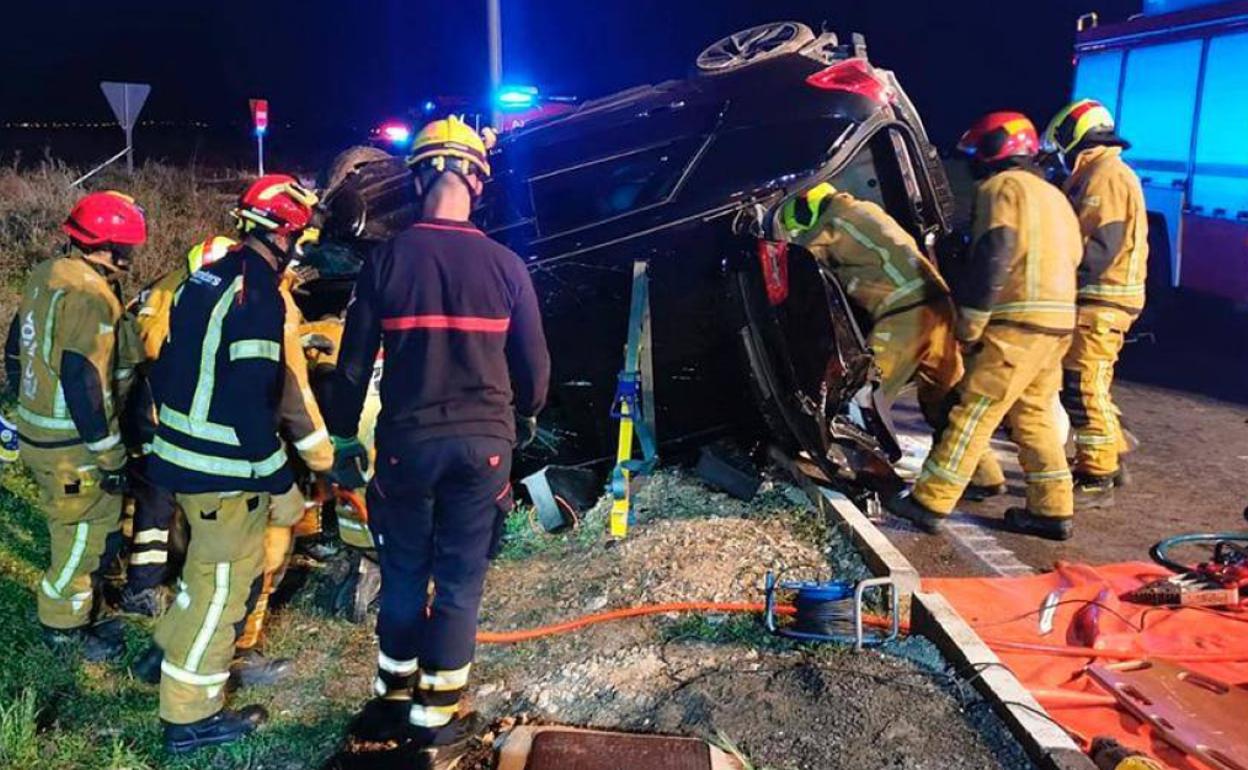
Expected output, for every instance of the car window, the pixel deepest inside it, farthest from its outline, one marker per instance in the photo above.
(605, 189)
(748, 159)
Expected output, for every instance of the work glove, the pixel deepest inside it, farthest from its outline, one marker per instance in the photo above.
(114, 481)
(350, 463)
(286, 509)
(526, 431)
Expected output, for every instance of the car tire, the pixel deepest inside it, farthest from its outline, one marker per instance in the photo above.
(753, 45)
(347, 161)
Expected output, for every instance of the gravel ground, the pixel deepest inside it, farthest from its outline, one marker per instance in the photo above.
(716, 677)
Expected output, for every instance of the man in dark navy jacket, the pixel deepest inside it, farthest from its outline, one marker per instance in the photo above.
(466, 373)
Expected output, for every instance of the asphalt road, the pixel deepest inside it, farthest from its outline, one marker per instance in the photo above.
(1185, 396)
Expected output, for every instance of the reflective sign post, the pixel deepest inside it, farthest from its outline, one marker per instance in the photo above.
(260, 121)
(127, 101)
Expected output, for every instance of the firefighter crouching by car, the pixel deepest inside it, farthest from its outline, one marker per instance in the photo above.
(883, 271)
(152, 526)
(70, 324)
(461, 326)
(219, 386)
(1016, 314)
(1109, 201)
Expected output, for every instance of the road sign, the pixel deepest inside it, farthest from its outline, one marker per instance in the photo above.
(260, 115)
(260, 120)
(127, 101)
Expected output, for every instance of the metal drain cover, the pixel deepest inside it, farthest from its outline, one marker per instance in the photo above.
(566, 748)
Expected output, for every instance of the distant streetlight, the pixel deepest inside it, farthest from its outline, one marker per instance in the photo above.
(495, 15)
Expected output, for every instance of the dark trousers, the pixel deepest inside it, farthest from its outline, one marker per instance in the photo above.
(153, 528)
(436, 510)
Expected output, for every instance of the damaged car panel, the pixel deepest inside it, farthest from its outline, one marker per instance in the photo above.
(688, 175)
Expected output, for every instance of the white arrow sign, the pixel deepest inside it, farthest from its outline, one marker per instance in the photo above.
(127, 100)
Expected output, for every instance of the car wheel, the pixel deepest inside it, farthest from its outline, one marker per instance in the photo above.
(347, 161)
(754, 45)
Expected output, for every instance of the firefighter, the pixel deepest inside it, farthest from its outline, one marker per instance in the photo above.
(219, 387)
(70, 322)
(466, 374)
(1016, 314)
(154, 507)
(1109, 201)
(885, 274)
(301, 420)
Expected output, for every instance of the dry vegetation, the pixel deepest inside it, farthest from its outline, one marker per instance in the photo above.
(181, 209)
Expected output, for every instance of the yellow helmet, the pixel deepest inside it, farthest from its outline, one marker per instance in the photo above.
(211, 250)
(1075, 123)
(452, 145)
(801, 213)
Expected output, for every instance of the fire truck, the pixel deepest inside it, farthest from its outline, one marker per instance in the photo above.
(1176, 78)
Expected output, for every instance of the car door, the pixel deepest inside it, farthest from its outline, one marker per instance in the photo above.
(812, 371)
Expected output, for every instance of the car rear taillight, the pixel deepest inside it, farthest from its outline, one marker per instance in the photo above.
(773, 258)
(853, 76)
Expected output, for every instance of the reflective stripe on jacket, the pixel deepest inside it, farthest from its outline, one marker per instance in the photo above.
(877, 262)
(1024, 253)
(219, 380)
(1113, 220)
(300, 415)
(69, 315)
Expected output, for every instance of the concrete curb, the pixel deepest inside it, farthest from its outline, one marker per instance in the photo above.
(931, 615)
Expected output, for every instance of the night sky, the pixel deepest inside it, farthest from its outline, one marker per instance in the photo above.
(322, 62)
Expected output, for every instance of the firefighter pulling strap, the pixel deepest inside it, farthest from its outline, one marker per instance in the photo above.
(634, 404)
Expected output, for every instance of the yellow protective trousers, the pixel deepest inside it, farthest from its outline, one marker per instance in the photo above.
(1014, 373)
(920, 345)
(84, 527)
(279, 544)
(221, 576)
(1088, 377)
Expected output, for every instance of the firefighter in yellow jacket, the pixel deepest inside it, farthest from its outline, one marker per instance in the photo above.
(1016, 314)
(883, 271)
(1109, 201)
(71, 323)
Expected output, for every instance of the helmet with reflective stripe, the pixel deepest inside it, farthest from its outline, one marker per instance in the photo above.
(801, 213)
(1000, 135)
(1086, 118)
(451, 145)
(104, 219)
(211, 250)
(276, 203)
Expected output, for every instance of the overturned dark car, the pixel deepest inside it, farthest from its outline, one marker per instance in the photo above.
(748, 334)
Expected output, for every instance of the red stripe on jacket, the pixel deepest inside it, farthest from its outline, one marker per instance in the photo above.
(448, 322)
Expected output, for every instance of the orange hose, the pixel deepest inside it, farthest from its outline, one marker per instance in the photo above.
(528, 634)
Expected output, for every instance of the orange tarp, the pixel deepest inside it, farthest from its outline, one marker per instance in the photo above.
(1006, 613)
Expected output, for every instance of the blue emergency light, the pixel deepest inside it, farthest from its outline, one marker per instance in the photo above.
(516, 97)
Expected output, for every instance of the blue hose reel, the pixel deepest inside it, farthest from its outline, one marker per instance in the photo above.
(829, 612)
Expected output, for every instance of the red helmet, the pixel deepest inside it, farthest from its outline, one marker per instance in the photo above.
(106, 219)
(277, 203)
(1000, 135)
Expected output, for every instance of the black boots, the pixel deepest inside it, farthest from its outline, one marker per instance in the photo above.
(225, 726)
(249, 669)
(907, 507)
(1024, 522)
(252, 669)
(100, 642)
(978, 493)
(147, 667)
(1093, 491)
